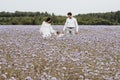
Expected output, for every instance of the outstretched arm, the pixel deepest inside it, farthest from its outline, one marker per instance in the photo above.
(52, 30)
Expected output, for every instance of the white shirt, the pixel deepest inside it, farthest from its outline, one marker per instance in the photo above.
(46, 29)
(71, 23)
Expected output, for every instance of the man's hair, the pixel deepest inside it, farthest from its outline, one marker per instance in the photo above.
(69, 13)
(48, 19)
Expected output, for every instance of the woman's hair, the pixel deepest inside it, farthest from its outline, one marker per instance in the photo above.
(69, 13)
(48, 20)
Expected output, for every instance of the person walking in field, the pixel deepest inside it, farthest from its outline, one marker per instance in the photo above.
(71, 25)
(46, 29)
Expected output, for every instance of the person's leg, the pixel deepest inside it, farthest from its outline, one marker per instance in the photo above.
(67, 31)
(73, 31)
(70, 31)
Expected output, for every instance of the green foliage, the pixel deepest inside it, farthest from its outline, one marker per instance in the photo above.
(36, 18)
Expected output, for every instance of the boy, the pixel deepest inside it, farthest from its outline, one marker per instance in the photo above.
(59, 34)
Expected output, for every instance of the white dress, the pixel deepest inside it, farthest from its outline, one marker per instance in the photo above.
(46, 30)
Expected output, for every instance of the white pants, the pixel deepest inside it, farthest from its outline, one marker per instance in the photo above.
(70, 31)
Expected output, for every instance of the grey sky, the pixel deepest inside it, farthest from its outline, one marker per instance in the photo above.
(60, 7)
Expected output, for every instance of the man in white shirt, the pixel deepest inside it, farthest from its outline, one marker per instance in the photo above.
(71, 25)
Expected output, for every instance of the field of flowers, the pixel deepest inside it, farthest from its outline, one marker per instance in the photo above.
(93, 54)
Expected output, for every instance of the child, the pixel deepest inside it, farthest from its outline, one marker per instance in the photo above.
(59, 34)
(46, 29)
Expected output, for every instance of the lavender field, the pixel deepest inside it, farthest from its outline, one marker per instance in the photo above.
(93, 54)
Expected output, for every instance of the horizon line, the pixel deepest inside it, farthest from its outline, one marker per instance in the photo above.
(60, 14)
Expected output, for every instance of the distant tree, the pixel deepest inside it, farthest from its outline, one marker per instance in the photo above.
(36, 18)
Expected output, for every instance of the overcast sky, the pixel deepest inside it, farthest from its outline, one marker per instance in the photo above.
(60, 7)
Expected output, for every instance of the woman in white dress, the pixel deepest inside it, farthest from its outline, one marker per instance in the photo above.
(46, 29)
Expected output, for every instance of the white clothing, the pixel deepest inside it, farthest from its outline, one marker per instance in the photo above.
(71, 23)
(70, 31)
(60, 35)
(46, 29)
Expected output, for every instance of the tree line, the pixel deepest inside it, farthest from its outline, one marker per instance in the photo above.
(36, 18)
